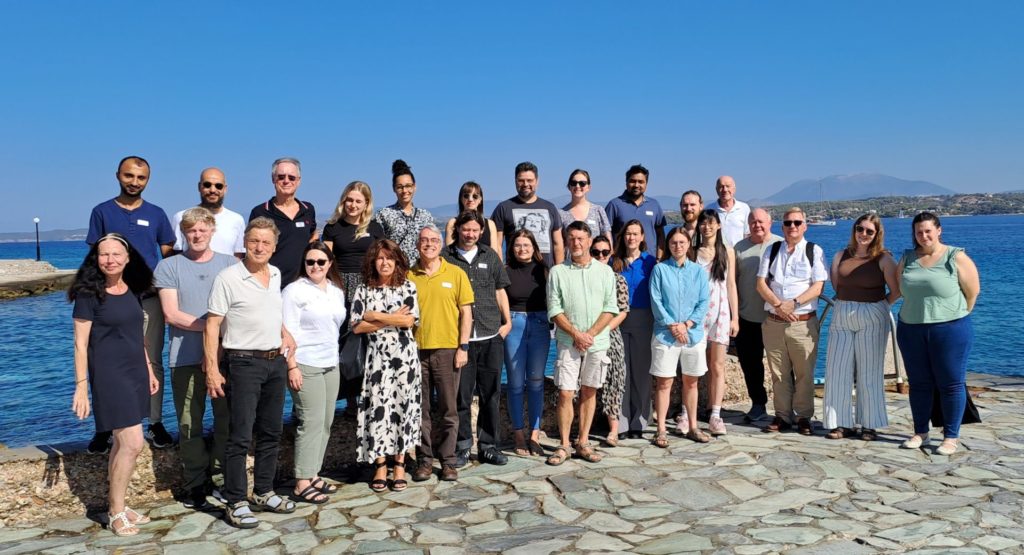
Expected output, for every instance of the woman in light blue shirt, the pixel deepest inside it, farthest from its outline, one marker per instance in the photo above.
(680, 295)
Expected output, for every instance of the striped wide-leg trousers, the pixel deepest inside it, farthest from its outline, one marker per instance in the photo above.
(856, 346)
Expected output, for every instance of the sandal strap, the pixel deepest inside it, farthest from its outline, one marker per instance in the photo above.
(242, 514)
(274, 502)
(139, 517)
(126, 524)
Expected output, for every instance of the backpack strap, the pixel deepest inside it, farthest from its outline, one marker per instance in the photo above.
(776, 246)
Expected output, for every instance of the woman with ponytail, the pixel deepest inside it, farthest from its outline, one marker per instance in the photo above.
(402, 221)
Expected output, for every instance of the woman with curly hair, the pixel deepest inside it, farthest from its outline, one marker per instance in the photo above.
(385, 307)
(110, 355)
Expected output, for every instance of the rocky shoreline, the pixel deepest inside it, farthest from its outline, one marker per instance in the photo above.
(25, 277)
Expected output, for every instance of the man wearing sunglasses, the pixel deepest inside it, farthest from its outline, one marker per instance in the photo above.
(227, 239)
(295, 220)
(789, 279)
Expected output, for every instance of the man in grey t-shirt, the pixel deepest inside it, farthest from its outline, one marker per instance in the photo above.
(184, 283)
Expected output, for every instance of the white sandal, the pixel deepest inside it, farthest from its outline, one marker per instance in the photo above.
(139, 518)
(127, 528)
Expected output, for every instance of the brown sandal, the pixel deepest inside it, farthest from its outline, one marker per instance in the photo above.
(559, 456)
(661, 440)
(587, 453)
(612, 440)
(698, 436)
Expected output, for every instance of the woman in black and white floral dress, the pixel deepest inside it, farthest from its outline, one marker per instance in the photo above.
(388, 423)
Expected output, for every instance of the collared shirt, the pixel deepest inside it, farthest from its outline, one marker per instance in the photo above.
(252, 313)
(295, 235)
(486, 275)
(403, 228)
(622, 209)
(638, 276)
(734, 221)
(440, 295)
(678, 294)
(582, 293)
(313, 316)
(192, 282)
(146, 228)
(748, 259)
(228, 238)
(792, 274)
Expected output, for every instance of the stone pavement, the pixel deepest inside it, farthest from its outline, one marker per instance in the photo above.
(747, 492)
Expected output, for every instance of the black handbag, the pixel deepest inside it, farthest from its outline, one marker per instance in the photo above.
(971, 415)
(353, 356)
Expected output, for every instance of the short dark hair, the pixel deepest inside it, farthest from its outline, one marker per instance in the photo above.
(526, 167)
(578, 225)
(138, 160)
(637, 168)
(923, 217)
(467, 216)
(691, 192)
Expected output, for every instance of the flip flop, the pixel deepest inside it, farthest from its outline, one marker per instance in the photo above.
(311, 494)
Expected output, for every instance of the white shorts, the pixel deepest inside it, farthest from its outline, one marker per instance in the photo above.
(573, 368)
(666, 358)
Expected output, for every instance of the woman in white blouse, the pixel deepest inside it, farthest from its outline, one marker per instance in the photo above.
(314, 309)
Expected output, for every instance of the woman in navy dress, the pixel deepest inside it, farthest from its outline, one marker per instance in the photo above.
(110, 355)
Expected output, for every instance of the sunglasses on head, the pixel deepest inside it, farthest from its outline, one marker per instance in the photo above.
(318, 261)
(600, 253)
(209, 185)
(579, 184)
(792, 223)
(286, 177)
(865, 230)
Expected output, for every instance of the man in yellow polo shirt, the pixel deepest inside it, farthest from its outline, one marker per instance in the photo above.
(446, 320)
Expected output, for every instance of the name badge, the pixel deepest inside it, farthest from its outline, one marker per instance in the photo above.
(649, 212)
(482, 265)
(300, 224)
(446, 285)
(143, 222)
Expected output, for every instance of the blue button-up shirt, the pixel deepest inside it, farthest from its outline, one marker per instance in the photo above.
(638, 278)
(678, 294)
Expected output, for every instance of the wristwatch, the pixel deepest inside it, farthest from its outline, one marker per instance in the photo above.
(464, 346)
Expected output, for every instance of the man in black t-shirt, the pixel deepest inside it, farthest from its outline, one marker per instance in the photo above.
(527, 210)
(296, 220)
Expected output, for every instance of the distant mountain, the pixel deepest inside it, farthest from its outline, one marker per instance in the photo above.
(445, 211)
(854, 187)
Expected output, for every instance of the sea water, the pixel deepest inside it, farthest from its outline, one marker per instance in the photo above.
(36, 350)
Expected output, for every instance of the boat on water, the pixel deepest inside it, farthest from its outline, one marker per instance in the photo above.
(821, 221)
(826, 219)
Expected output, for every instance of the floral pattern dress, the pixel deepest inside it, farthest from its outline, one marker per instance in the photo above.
(716, 323)
(404, 229)
(615, 381)
(388, 422)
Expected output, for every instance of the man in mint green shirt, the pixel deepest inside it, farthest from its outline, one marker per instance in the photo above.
(581, 303)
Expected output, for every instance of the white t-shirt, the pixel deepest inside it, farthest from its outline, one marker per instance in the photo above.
(252, 313)
(792, 274)
(734, 222)
(313, 317)
(228, 238)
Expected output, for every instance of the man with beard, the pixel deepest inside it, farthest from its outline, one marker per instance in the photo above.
(227, 239)
(295, 219)
(633, 204)
(146, 227)
(527, 210)
(690, 206)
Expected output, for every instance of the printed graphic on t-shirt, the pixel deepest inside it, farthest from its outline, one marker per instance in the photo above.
(538, 221)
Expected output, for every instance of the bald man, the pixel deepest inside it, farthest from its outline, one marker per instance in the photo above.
(749, 342)
(228, 237)
(733, 213)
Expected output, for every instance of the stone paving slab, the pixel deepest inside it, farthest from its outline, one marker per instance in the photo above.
(746, 492)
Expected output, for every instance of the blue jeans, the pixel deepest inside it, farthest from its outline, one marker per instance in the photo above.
(936, 358)
(526, 354)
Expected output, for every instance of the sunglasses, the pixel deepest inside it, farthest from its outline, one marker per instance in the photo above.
(867, 231)
(792, 223)
(286, 177)
(579, 184)
(319, 262)
(208, 185)
(600, 253)
(470, 196)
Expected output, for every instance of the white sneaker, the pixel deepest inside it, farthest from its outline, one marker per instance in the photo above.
(716, 426)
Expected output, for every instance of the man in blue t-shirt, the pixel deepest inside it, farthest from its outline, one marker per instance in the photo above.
(147, 229)
(633, 204)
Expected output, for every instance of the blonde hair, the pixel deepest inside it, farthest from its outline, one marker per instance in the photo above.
(364, 218)
(196, 215)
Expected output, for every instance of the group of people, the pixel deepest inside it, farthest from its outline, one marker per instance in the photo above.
(254, 308)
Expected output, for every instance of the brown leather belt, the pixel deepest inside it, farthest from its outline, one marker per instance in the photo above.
(267, 355)
(799, 317)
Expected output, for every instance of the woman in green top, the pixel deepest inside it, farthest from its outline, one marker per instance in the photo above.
(939, 284)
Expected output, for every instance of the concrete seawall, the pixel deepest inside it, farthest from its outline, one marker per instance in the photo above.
(22, 278)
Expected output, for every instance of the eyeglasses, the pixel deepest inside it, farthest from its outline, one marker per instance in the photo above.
(792, 223)
(285, 177)
(578, 184)
(600, 253)
(470, 196)
(318, 261)
(431, 240)
(865, 230)
(208, 185)
(405, 186)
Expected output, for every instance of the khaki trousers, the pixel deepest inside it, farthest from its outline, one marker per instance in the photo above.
(792, 349)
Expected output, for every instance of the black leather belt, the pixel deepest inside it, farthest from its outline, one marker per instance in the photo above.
(266, 355)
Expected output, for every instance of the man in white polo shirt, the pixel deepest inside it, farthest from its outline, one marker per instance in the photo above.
(733, 213)
(790, 278)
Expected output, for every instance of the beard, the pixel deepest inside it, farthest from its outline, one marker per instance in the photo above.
(213, 205)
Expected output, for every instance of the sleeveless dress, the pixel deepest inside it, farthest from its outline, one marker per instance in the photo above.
(615, 381)
(716, 323)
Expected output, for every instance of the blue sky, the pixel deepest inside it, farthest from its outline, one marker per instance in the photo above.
(769, 92)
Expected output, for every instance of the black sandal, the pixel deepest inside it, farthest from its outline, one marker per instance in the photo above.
(867, 434)
(379, 485)
(535, 448)
(311, 494)
(322, 485)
